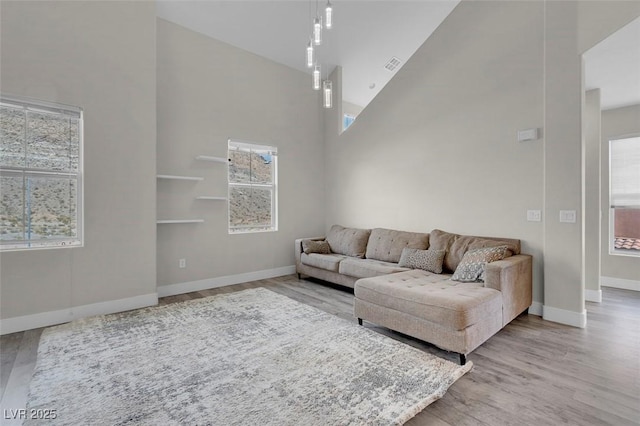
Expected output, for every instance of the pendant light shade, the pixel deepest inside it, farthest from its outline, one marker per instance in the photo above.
(309, 54)
(317, 31)
(316, 77)
(327, 94)
(328, 16)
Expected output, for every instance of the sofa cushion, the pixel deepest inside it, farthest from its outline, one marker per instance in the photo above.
(472, 266)
(457, 245)
(387, 244)
(364, 268)
(435, 298)
(329, 262)
(315, 246)
(429, 260)
(348, 241)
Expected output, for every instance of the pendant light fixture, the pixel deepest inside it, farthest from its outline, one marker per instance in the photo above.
(317, 30)
(327, 94)
(316, 77)
(328, 15)
(309, 54)
(312, 56)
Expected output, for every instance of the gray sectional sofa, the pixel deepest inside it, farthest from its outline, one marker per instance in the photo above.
(453, 315)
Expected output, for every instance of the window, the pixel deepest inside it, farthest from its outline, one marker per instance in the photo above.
(624, 194)
(252, 187)
(40, 174)
(347, 121)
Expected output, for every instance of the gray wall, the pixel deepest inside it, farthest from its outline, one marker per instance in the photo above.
(437, 146)
(99, 56)
(591, 150)
(208, 92)
(616, 123)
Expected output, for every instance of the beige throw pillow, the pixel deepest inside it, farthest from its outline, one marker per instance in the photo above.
(348, 241)
(429, 260)
(472, 266)
(313, 246)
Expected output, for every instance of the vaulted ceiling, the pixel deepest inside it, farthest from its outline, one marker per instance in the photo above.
(367, 34)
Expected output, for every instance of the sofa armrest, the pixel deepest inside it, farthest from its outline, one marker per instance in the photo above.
(298, 246)
(513, 278)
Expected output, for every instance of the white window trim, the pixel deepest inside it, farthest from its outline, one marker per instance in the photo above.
(237, 230)
(611, 231)
(50, 243)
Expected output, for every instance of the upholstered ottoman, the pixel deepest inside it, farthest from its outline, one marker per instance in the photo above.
(452, 315)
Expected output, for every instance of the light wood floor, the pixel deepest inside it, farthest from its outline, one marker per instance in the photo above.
(533, 372)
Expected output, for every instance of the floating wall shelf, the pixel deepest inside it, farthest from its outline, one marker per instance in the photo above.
(207, 197)
(179, 177)
(214, 159)
(161, 222)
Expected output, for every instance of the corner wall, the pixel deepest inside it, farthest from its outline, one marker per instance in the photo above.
(99, 56)
(208, 92)
(591, 212)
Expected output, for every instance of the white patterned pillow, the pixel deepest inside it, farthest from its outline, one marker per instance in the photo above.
(473, 263)
(429, 260)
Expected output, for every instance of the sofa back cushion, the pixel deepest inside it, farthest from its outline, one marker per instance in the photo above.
(387, 244)
(457, 245)
(348, 241)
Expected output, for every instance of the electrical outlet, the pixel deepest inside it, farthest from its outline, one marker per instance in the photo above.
(182, 263)
(534, 215)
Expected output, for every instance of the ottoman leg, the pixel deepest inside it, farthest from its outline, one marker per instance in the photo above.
(359, 321)
(463, 359)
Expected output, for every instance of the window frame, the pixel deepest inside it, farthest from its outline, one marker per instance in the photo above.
(57, 109)
(272, 187)
(613, 251)
(346, 117)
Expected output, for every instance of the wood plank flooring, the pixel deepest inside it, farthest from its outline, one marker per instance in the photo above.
(533, 372)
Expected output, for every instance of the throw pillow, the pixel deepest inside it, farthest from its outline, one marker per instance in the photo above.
(313, 246)
(472, 265)
(429, 260)
(348, 241)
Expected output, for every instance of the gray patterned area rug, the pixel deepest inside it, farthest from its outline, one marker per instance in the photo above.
(253, 358)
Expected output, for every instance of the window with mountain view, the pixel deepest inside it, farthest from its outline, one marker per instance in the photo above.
(624, 174)
(252, 187)
(40, 174)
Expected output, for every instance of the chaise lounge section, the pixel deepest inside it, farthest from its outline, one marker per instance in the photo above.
(454, 315)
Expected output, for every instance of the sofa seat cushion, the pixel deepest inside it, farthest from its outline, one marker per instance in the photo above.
(431, 297)
(387, 244)
(364, 268)
(329, 262)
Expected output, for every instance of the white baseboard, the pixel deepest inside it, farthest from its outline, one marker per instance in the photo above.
(45, 319)
(187, 287)
(593, 295)
(620, 283)
(562, 316)
(536, 309)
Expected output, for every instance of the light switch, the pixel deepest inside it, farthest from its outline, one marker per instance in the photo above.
(568, 216)
(534, 215)
(528, 135)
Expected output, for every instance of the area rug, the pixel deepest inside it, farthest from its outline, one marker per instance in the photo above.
(251, 357)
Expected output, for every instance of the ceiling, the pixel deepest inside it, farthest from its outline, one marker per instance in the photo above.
(367, 34)
(364, 37)
(613, 65)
